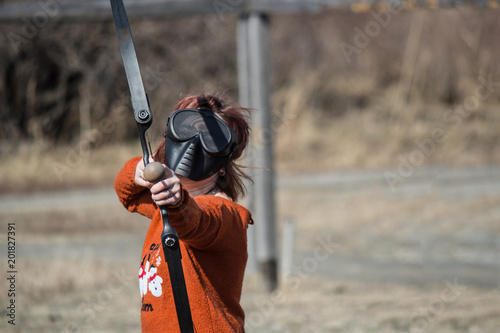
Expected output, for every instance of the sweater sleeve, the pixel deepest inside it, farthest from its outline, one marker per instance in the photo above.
(135, 198)
(209, 222)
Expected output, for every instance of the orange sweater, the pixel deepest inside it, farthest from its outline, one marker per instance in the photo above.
(213, 243)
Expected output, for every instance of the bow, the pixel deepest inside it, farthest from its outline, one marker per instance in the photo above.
(154, 172)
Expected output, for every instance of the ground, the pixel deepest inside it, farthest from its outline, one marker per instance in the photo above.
(387, 166)
(420, 255)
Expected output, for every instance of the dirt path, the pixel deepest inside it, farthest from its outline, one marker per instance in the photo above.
(421, 257)
(366, 258)
(449, 232)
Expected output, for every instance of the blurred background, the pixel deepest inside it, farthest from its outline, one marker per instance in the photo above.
(387, 161)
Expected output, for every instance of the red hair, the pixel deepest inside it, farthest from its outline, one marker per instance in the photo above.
(232, 181)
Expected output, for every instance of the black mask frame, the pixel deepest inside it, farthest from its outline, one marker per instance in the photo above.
(198, 143)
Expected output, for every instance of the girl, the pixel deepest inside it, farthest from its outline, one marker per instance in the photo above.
(203, 139)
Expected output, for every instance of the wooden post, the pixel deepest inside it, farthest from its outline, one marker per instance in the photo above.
(244, 97)
(287, 250)
(261, 150)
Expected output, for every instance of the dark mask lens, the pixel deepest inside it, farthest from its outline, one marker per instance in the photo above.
(217, 136)
(214, 133)
(187, 124)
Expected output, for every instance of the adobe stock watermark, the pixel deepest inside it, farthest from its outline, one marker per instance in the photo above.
(372, 29)
(324, 248)
(90, 139)
(32, 25)
(421, 319)
(223, 7)
(263, 136)
(153, 77)
(452, 120)
(94, 305)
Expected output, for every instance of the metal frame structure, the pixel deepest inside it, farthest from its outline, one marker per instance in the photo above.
(99, 9)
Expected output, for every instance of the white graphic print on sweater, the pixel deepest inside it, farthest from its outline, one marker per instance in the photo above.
(149, 280)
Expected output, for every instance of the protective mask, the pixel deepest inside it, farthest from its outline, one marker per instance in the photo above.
(198, 143)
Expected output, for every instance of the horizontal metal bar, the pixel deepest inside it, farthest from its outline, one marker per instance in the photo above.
(95, 10)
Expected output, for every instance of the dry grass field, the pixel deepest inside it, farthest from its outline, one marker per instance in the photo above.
(388, 165)
(418, 253)
(423, 258)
